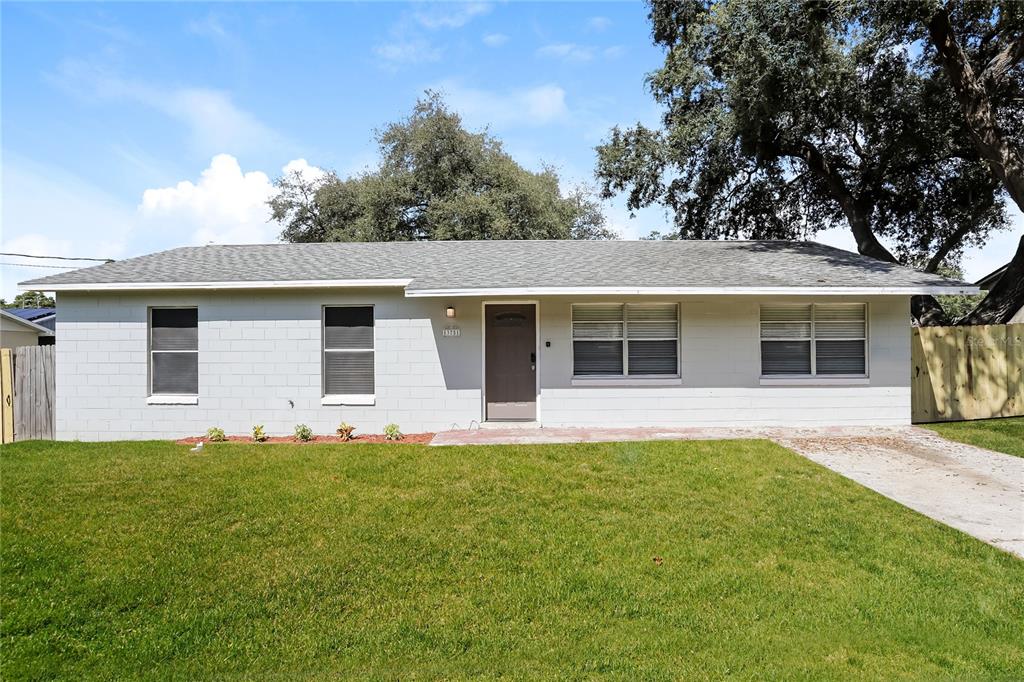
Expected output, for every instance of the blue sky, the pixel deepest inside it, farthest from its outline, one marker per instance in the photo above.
(129, 128)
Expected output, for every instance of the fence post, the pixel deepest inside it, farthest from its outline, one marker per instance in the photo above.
(7, 390)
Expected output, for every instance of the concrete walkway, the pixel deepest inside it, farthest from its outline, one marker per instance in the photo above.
(974, 490)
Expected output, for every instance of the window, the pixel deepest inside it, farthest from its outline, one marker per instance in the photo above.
(633, 339)
(821, 339)
(348, 351)
(174, 351)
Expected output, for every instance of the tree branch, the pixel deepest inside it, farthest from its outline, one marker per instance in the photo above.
(947, 245)
(857, 214)
(1004, 160)
(1004, 61)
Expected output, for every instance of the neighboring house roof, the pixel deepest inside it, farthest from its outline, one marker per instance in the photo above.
(31, 313)
(27, 324)
(513, 267)
(44, 317)
(989, 280)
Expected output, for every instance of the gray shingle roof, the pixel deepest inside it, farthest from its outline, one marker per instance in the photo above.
(510, 265)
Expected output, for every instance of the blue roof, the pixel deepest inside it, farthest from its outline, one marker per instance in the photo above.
(31, 314)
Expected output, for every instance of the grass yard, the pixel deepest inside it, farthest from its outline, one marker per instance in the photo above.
(1002, 435)
(659, 560)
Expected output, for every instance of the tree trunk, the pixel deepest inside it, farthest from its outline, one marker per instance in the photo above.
(990, 141)
(1003, 157)
(927, 312)
(1005, 298)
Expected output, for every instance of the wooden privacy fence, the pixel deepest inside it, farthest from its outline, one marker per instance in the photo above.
(960, 373)
(27, 384)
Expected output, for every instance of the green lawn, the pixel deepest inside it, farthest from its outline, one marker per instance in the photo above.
(142, 560)
(1002, 435)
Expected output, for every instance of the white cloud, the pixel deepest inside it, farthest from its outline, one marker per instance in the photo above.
(303, 168)
(570, 52)
(451, 16)
(536, 106)
(494, 39)
(213, 121)
(224, 206)
(614, 52)
(598, 24)
(407, 41)
(413, 51)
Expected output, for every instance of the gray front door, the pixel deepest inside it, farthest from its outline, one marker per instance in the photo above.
(511, 361)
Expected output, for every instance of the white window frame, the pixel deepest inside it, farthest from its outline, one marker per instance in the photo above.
(814, 377)
(345, 398)
(625, 377)
(169, 398)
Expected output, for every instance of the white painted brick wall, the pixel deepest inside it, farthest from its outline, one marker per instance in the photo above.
(720, 378)
(258, 351)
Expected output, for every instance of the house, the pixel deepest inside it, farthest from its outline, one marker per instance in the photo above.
(16, 331)
(988, 281)
(441, 335)
(44, 317)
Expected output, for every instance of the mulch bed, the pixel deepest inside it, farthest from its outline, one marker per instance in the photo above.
(409, 438)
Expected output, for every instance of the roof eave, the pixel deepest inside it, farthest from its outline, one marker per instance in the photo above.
(214, 286)
(703, 291)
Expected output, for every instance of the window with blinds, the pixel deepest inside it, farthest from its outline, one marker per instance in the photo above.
(821, 339)
(348, 350)
(633, 339)
(174, 351)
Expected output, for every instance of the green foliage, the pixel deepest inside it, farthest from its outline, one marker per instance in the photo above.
(215, 434)
(303, 433)
(435, 180)
(258, 434)
(345, 431)
(392, 432)
(786, 117)
(129, 561)
(30, 299)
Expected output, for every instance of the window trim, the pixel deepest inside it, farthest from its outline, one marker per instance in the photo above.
(334, 399)
(626, 377)
(814, 378)
(169, 398)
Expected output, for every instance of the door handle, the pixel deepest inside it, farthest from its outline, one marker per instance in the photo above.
(533, 362)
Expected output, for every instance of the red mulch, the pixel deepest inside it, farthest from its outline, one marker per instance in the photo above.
(410, 438)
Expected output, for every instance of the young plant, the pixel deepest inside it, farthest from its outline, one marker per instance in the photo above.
(391, 432)
(215, 434)
(258, 434)
(303, 433)
(345, 431)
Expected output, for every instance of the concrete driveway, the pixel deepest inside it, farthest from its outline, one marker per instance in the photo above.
(974, 490)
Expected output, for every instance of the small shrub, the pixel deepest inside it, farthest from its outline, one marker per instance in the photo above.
(215, 434)
(391, 432)
(303, 433)
(345, 431)
(258, 434)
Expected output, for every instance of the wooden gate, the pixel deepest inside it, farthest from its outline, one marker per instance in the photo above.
(27, 381)
(961, 373)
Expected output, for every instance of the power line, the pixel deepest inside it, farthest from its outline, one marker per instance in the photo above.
(30, 265)
(29, 255)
